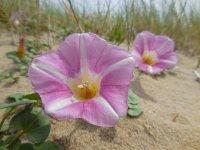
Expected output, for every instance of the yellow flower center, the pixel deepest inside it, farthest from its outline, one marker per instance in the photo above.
(84, 86)
(149, 57)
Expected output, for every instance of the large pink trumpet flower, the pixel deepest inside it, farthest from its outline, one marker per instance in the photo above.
(153, 53)
(85, 78)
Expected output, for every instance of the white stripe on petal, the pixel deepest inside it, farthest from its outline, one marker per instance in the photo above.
(163, 45)
(114, 66)
(59, 104)
(50, 70)
(146, 48)
(150, 69)
(136, 55)
(168, 61)
(101, 101)
(83, 54)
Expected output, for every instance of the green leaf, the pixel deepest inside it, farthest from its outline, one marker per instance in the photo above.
(6, 74)
(23, 69)
(32, 96)
(33, 51)
(131, 106)
(20, 96)
(4, 127)
(27, 146)
(1, 142)
(3, 148)
(132, 98)
(16, 96)
(20, 99)
(135, 102)
(22, 102)
(15, 143)
(49, 145)
(8, 110)
(33, 122)
(135, 111)
(12, 55)
(29, 43)
(20, 66)
(23, 72)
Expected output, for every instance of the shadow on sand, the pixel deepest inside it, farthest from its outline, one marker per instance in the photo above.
(105, 134)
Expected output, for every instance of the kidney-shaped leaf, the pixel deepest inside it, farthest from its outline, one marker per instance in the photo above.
(4, 127)
(32, 96)
(22, 102)
(135, 111)
(16, 96)
(133, 98)
(27, 146)
(49, 145)
(33, 122)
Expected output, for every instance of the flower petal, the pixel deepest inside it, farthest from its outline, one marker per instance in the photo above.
(62, 107)
(70, 52)
(92, 48)
(100, 54)
(120, 73)
(117, 97)
(163, 45)
(142, 42)
(54, 101)
(99, 112)
(143, 67)
(48, 74)
(167, 61)
(110, 56)
(114, 84)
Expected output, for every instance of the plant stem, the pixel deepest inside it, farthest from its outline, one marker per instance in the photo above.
(5, 116)
(18, 134)
(74, 15)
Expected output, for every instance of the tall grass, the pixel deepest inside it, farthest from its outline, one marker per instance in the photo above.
(175, 19)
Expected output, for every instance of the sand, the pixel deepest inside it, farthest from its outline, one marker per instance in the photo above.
(171, 118)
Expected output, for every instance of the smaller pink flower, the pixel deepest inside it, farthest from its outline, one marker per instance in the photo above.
(85, 78)
(153, 53)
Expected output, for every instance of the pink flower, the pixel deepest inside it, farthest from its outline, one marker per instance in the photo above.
(86, 78)
(153, 53)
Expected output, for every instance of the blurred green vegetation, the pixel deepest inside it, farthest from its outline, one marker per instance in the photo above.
(131, 18)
